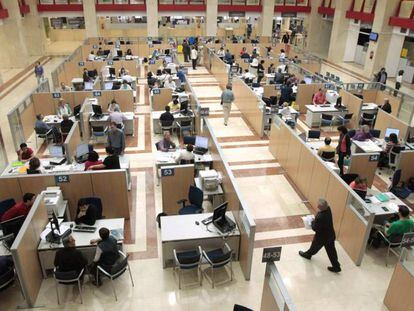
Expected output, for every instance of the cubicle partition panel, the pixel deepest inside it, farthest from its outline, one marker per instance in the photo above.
(305, 94)
(270, 90)
(385, 120)
(24, 251)
(175, 184)
(28, 120)
(10, 189)
(406, 165)
(219, 70)
(365, 165)
(73, 139)
(394, 101)
(400, 291)
(354, 106)
(153, 66)
(310, 66)
(161, 99)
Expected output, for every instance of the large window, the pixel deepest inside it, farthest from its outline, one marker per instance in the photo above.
(60, 1)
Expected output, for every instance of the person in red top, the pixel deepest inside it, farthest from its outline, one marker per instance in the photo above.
(24, 153)
(319, 98)
(21, 208)
(359, 184)
(93, 159)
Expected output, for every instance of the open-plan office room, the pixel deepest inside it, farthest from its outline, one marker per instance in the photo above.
(212, 160)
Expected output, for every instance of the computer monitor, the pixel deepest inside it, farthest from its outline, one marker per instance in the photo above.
(97, 110)
(119, 53)
(168, 59)
(109, 85)
(82, 150)
(56, 151)
(308, 80)
(92, 73)
(112, 72)
(88, 86)
(76, 110)
(55, 222)
(389, 131)
(219, 212)
(189, 140)
(201, 142)
(184, 106)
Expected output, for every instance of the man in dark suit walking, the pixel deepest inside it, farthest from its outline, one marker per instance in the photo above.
(324, 236)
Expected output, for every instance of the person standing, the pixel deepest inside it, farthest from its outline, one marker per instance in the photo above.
(382, 78)
(116, 138)
(39, 72)
(186, 51)
(194, 56)
(227, 97)
(344, 147)
(324, 236)
(285, 41)
(398, 81)
(260, 71)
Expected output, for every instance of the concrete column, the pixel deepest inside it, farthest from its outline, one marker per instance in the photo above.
(285, 24)
(351, 42)
(211, 18)
(33, 30)
(266, 20)
(152, 18)
(339, 34)
(319, 31)
(394, 53)
(382, 49)
(91, 20)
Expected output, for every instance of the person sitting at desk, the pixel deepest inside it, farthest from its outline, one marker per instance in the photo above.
(166, 143)
(63, 109)
(24, 153)
(118, 117)
(125, 85)
(122, 72)
(174, 105)
(86, 213)
(186, 155)
(66, 124)
(292, 79)
(21, 208)
(170, 84)
(271, 69)
(166, 118)
(93, 159)
(42, 127)
(129, 52)
(363, 134)
(69, 258)
(344, 147)
(111, 162)
(64, 87)
(116, 138)
(247, 76)
(359, 184)
(85, 76)
(220, 53)
(228, 58)
(327, 147)
(279, 77)
(91, 56)
(386, 149)
(287, 115)
(386, 106)
(319, 98)
(151, 79)
(282, 55)
(260, 71)
(180, 74)
(112, 105)
(35, 167)
(285, 94)
(106, 252)
(100, 52)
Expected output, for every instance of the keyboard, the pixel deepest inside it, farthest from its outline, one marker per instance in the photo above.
(207, 221)
(87, 229)
(325, 106)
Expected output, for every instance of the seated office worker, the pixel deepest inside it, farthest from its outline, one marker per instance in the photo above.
(324, 236)
(106, 252)
(174, 105)
(186, 154)
(125, 86)
(166, 143)
(20, 208)
(24, 153)
(63, 108)
(319, 98)
(344, 147)
(363, 134)
(359, 184)
(112, 105)
(66, 124)
(93, 159)
(327, 147)
(85, 76)
(166, 118)
(111, 162)
(118, 117)
(116, 138)
(386, 106)
(69, 258)
(86, 213)
(35, 167)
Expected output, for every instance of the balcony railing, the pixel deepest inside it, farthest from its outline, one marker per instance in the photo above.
(59, 5)
(120, 5)
(182, 5)
(292, 6)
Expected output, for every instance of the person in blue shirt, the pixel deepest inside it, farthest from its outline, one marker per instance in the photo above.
(180, 74)
(228, 58)
(39, 72)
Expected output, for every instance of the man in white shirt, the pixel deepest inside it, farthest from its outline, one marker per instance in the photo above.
(194, 56)
(170, 83)
(220, 53)
(253, 66)
(91, 56)
(186, 154)
(118, 117)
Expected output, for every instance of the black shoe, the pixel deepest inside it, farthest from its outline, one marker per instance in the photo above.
(304, 255)
(334, 269)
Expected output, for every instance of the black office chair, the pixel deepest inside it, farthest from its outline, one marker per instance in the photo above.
(362, 194)
(195, 198)
(93, 201)
(345, 119)
(367, 119)
(44, 134)
(400, 191)
(312, 134)
(183, 162)
(328, 156)
(8, 277)
(240, 308)
(12, 225)
(327, 120)
(348, 178)
(115, 271)
(218, 258)
(5, 205)
(375, 133)
(188, 260)
(351, 133)
(68, 278)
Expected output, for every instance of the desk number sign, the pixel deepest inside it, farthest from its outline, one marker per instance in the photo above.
(271, 254)
(81, 64)
(97, 94)
(56, 95)
(374, 158)
(59, 179)
(110, 63)
(167, 172)
(204, 111)
(156, 91)
(152, 62)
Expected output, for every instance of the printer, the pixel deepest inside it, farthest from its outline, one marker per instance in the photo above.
(331, 96)
(53, 199)
(210, 179)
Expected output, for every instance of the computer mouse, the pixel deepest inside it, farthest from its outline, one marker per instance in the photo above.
(197, 223)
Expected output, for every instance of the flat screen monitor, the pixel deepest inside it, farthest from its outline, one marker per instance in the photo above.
(168, 59)
(119, 53)
(220, 212)
(184, 106)
(373, 36)
(112, 72)
(189, 140)
(56, 151)
(76, 110)
(389, 131)
(201, 142)
(82, 150)
(308, 80)
(88, 86)
(109, 85)
(97, 109)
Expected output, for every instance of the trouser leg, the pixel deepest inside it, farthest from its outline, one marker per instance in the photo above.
(341, 163)
(226, 111)
(315, 247)
(332, 254)
(194, 63)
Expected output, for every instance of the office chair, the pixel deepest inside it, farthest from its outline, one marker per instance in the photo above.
(326, 120)
(12, 225)
(7, 278)
(328, 156)
(362, 194)
(394, 157)
(116, 270)
(351, 133)
(167, 127)
(5, 205)
(43, 134)
(93, 201)
(344, 120)
(400, 191)
(375, 133)
(348, 178)
(218, 258)
(185, 126)
(188, 260)
(195, 198)
(68, 278)
(157, 146)
(240, 308)
(98, 132)
(367, 119)
(393, 243)
(312, 134)
(183, 162)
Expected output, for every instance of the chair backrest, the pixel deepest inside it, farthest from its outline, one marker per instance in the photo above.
(221, 260)
(65, 275)
(195, 196)
(157, 145)
(6, 277)
(375, 133)
(98, 129)
(368, 116)
(94, 201)
(5, 205)
(13, 225)
(348, 178)
(396, 178)
(31, 172)
(120, 265)
(348, 116)
(314, 134)
(351, 133)
(41, 130)
(394, 154)
(328, 155)
(326, 117)
(183, 162)
(240, 308)
(361, 193)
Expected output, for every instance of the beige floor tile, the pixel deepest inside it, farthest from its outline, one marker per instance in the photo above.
(207, 91)
(247, 154)
(236, 127)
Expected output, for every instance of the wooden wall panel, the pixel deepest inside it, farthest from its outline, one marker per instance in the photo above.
(28, 119)
(44, 103)
(307, 160)
(159, 101)
(386, 120)
(319, 184)
(400, 292)
(293, 158)
(10, 188)
(305, 94)
(36, 183)
(112, 188)
(370, 96)
(72, 141)
(125, 99)
(337, 197)
(354, 105)
(394, 101)
(274, 140)
(361, 165)
(406, 165)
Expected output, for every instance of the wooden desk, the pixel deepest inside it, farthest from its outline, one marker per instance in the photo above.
(383, 210)
(367, 146)
(55, 120)
(180, 232)
(178, 117)
(314, 113)
(47, 251)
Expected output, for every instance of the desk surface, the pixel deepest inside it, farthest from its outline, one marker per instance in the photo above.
(55, 119)
(169, 157)
(369, 106)
(183, 227)
(319, 109)
(368, 145)
(177, 115)
(376, 206)
(83, 238)
(105, 117)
